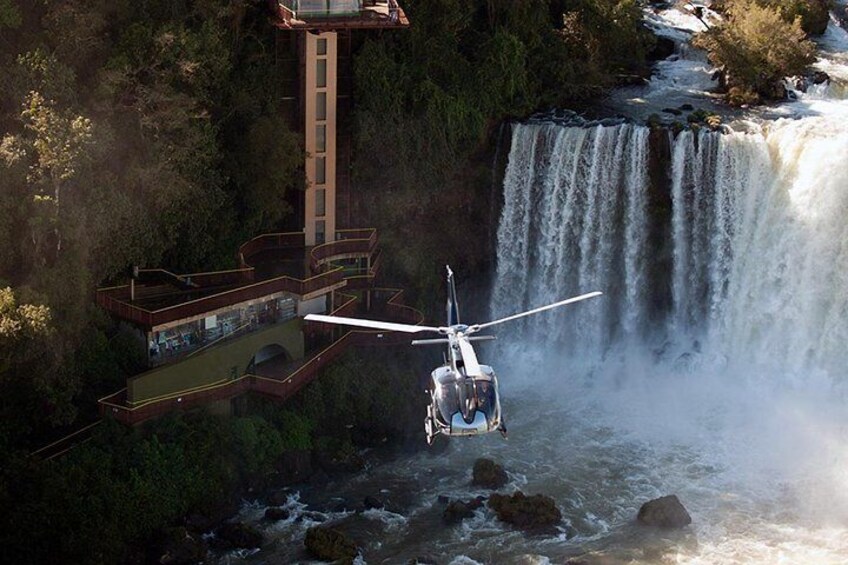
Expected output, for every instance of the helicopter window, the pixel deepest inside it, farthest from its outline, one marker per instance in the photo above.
(486, 397)
(448, 400)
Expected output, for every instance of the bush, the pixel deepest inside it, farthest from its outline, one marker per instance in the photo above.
(757, 48)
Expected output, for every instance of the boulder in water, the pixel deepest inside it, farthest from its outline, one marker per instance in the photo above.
(329, 544)
(663, 49)
(531, 513)
(489, 474)
(820, 77)
(238, 535)
(274, 514)
(456, 511)
(372, 502)
(664, 512)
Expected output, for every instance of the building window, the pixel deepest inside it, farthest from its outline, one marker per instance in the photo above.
(321, 73)
(320, 202)
(320, 236)
(322, 47)
(320, 170)
(321, 106)
(320, 138)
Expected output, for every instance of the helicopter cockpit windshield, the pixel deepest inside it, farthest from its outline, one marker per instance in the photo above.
(486, 398)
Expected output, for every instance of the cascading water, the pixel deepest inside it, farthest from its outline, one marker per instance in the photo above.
(575, 217)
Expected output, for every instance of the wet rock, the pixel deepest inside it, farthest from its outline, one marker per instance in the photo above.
(531, 513)
(275, 514)
(673, 111)
(238, 535)
(457, 511)
(687, 107)
(372, 502)
(488, 474)
(663, 49)
(423, 560)
(181, 547)
(820, 77)
(664, 512)
(328, 544)
(476, 503)
(311, 515)
(444, 499)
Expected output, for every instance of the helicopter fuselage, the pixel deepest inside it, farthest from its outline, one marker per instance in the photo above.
(463, 405)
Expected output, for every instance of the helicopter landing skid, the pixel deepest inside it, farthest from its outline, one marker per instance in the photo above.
(430, 426)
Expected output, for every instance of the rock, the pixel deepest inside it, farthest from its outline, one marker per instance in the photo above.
(311, 515)
(372, 502)
(532, 513)
(330, 545)
(489, 474)
(664, 48)
(236, 534)
(476, 503)
(181, 548)
(274, 514)
(687, 107)
(444, 499)
(457, 511)
(673, 111)
(820, 77)
(665, 512)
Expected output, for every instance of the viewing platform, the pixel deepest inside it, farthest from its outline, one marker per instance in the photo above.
(337, 14)
(212, 336)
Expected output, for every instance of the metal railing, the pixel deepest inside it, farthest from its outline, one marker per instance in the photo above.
(115, 405)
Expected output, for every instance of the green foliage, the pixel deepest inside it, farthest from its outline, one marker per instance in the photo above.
(295, 430)
(10, 15)
(757, 48)
(257, 444)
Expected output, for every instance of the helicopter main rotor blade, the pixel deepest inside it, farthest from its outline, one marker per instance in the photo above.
(478, 327)
(372, 324)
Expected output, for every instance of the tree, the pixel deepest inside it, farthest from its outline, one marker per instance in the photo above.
(757, 48)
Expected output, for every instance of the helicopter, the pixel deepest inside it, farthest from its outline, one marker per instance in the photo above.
(464, 399)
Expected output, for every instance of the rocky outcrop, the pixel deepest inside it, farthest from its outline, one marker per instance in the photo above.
(531, 513)
(664, 512)
(328, 544)
(238, 535)
(488, 474)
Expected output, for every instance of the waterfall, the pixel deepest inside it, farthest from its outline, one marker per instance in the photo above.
(574, 221)
(758, 235)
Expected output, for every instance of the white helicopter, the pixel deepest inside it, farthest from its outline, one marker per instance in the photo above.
(463, 393)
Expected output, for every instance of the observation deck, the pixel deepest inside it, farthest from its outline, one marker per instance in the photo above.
(328, 15)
